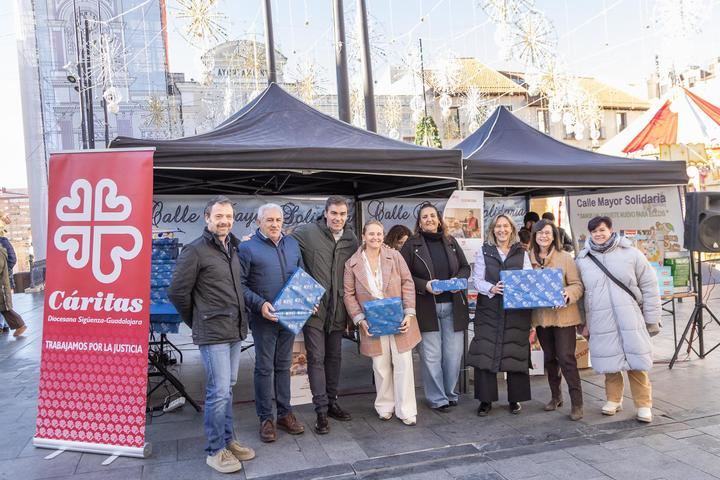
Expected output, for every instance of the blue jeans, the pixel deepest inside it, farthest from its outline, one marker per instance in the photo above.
(273, 357)
(441, 358)
(221, 361)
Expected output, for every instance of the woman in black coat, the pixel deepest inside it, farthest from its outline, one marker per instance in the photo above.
(501, 342)
(431, 255)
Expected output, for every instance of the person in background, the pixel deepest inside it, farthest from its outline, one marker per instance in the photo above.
(208, 295)
(11, 261)
(529, 220)
(397, 236)
(374, 272)
(556, 327)
(501, 342)
(431, 254)
(455, 229)
(565, 239)
(472, 225)
(13, 319)
(622, 308)
(267, 261)
(524, 236)
(325, 246)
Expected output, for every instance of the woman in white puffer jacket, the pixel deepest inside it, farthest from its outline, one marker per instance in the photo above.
(620, 325)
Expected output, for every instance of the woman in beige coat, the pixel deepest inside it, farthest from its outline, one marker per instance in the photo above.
(556, 327)
(376, 271)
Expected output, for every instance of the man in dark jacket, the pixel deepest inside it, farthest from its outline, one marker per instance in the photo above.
(565, 239)
(207, 293)
(267, 261)
(326, 245)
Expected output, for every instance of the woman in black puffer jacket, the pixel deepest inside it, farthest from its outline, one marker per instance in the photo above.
(501, 342)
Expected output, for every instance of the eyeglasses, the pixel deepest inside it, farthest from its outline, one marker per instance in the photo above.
(544, 234)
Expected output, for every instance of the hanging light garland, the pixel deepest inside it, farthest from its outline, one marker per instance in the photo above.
(392, 116)
(308, 83)
(203, 23)
(476, 107)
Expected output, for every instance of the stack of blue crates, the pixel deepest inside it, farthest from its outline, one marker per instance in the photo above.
(163, 316)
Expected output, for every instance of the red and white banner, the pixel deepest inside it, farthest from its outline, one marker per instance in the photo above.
(93, 374)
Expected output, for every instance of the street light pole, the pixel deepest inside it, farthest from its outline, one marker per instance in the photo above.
(269, 43)
(370, 120)
(341, 66)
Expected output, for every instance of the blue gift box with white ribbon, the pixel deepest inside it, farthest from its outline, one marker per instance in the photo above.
(528, 289)
(384, 316)
(297, 299)
(449, 285)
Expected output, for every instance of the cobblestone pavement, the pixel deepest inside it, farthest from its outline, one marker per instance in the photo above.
(683, 442)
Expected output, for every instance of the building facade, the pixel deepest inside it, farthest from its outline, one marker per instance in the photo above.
(89, 70)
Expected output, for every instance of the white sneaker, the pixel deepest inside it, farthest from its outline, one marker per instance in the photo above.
(224, 462)
(410, 421)
(611, 408)
(644, 414)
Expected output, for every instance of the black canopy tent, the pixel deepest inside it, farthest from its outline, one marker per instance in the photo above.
(507, 156)
(278, 145)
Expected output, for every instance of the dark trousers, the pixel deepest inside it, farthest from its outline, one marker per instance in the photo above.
(13, 319)
(323, 351)
(558, 344)
(486, 386)
(273, 358)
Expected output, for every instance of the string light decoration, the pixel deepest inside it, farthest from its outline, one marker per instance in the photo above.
(392, 116)
(156, 113)
(505, 11)
(445, 80)
(476, 108)
(308, 83)
(678, 23)
(533, 40)
(203, 23)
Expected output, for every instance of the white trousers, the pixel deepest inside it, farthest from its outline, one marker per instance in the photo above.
(394, 381)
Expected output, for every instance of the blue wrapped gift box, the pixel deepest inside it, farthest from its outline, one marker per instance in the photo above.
(384, 316)
(527, 289)
(449, 285)
(297, 299)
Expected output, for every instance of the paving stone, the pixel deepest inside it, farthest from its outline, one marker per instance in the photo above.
(162, 452)
(700, 459)
(126, 473)
(331, 471)
(188, 470)
(569, 469)
(31, 468)
(407, 441)
(392, 461)
(705, 442)
(685, 433)
(662, 442)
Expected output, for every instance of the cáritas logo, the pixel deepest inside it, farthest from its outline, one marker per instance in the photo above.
(82, 239)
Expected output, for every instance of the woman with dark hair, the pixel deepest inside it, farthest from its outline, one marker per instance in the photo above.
(397, 236)
(622, 305)
(556, 327)
(501, 342)
(431, 255)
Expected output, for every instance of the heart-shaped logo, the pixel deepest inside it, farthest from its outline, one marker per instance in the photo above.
(80, 198)
(83, 243)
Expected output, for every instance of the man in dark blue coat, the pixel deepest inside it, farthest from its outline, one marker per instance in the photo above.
(267, 261)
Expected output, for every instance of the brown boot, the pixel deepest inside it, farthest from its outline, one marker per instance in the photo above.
(290, 424)
(576, 413)
(553, 404)
(267, 431)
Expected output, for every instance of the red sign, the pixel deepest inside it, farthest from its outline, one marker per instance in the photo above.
(93, 374)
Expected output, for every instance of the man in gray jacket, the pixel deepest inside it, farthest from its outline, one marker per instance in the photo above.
(207, 292)
(326, 245)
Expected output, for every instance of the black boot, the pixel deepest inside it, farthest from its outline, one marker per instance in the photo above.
(484, 409)
(322, 427)
(334, 411)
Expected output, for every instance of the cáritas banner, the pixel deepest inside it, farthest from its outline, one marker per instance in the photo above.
(93, 374)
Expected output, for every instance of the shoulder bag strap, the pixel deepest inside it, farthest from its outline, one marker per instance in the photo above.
(613, 278)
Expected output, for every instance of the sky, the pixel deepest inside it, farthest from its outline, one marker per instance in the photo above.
(613, 40)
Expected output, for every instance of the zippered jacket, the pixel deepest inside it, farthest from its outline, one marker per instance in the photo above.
(265, 268)
(207, 292)
(417, 256)
(324, 260)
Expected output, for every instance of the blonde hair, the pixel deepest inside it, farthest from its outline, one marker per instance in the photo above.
(491, 240)
(372, 222)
